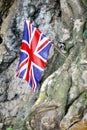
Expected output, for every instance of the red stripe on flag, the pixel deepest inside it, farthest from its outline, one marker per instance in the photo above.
(33, 58)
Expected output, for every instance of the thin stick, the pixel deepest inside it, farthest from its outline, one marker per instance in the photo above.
(59, 50)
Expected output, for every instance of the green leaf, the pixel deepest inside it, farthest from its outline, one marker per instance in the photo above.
(85, 34)
(9, 128)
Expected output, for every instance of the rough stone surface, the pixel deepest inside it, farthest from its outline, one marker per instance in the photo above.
(60, 103)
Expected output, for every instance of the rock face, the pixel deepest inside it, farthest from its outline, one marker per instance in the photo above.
(60, 103)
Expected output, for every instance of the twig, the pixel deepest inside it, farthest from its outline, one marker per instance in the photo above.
(59, 50)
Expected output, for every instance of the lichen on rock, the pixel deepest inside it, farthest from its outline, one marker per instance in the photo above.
(61, 99)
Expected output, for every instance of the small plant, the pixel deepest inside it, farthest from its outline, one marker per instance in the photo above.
(9, 128)
(85, 34)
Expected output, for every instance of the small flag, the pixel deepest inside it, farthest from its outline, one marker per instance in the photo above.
(34, 53)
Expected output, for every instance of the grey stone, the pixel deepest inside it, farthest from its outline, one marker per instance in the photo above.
(61, 98)
(1, 125)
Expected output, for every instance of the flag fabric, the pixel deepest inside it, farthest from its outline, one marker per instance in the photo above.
(34, 53)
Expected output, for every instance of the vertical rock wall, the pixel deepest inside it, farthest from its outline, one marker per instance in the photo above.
(60, 102)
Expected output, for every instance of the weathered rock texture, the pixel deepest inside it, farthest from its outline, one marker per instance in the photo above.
(60, 102)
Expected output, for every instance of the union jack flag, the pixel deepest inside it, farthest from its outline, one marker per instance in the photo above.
(34, 52)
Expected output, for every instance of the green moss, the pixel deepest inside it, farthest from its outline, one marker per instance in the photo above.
(85, 95)
(84, 2)
(58, 91)
(41, 98)
(9, 128)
